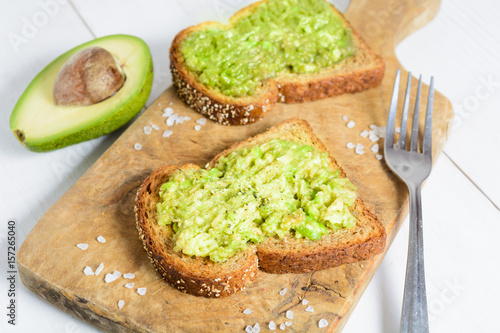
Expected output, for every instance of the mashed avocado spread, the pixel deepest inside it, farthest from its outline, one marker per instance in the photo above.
(278, 36)
(277, 189)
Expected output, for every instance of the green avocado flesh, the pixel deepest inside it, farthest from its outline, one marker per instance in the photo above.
(278, 37)
(278, 189)
(41, 125)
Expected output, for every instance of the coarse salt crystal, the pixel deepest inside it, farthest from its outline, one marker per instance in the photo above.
(398, 129)
(187, 118)
(88, 271)
(141, 291)
(364, 133)
(322, 323)
(170, 103)
(305, 301)
(309, 309)
(101, 239)
(155, 127)
(147, 129)
(167, 133)
(117, 274)
(272, 325)
(289, 314)
(129, 285)
(256, 328)
(288, 323)
(282, 327)
(374, 148)
(344, 118)
(202, 121)
(167, 112)
(137, 146)
(350, 145)
(351, 124)
(247, 311)
(110, 278)
(373, 137)
(99, 269)
(248, 329)
(197, 128)
(379, 157)
(82, 246)
(359, 149)
(170, 121)
(121, 303)
(283, 291)
(128, 276)
(179, 119)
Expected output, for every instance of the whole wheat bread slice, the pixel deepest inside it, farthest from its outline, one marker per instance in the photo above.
(202, 277)
(364, 70)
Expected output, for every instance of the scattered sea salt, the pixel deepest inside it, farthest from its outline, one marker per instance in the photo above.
(351, 124)
(147, 129)
(256, 328)
(359, 149)
(155, 127)
(167, 133)
(398, 129)
(364, 133)
(117, 274)
(289, 314)
(82, 246)
(128, 276)
(305, 301)
(141, 291)
(187, 118)
(379, 157)
(110, 278)
(374, 148)
(248, 329)
(202, 121)
(170, 121)
(283, 291)
(129, 285)
(322, 323)
(170, 103)
(282, 327)
(247, 311)
(379, 131)
(99, 269)
(309, 309)
(344, 118)
(197, 128)
(88, 271)
(288, 323)
(137, 146)
(350, 145)
(101, 239)
(272, 325)
(121, 303)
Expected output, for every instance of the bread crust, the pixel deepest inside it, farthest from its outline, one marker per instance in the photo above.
(201, 277)
(362, 71)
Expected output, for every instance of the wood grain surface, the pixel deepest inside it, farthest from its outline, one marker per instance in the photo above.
(101, 203)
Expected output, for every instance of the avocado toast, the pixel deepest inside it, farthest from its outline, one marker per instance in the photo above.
(286, 253)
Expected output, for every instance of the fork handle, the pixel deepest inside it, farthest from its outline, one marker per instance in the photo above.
(414, 316)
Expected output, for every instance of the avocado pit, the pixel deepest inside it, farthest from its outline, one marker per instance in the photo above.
(88, 77)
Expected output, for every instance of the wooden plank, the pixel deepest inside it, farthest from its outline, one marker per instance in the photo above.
(101, 203)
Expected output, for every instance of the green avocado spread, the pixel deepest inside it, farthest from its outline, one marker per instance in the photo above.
(277, 189)
(277, 37)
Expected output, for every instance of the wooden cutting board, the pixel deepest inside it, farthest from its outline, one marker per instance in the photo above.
(101, 203)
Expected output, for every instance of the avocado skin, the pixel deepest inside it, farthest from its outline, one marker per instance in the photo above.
(110, 124)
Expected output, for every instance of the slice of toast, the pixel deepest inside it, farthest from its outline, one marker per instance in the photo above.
(361, 71)
(202, 277)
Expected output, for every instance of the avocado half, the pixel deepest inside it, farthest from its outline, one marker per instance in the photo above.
(41, 125)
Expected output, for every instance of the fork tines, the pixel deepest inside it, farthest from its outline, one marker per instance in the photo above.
(427, 137)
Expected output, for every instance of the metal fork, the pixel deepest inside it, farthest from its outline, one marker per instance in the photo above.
(413, 167)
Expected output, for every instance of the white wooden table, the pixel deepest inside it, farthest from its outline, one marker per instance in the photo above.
(461, 199)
